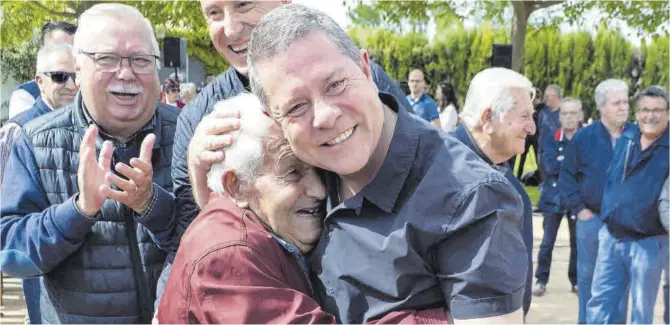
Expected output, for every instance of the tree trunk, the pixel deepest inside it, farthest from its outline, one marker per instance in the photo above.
(519, 28)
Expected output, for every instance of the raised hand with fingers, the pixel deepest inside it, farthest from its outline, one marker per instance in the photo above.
(91, 172)
(137, 191)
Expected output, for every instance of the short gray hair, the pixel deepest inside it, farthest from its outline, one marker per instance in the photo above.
(654, 91)
(571, 100)
(491, 88)
(608, 85)
(121, 13)
(45, 53)
(556, 88)
(283, 26)
(187, 87)
(245, 155)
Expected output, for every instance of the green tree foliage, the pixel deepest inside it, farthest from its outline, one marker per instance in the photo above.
(22, 20)
(575, 61)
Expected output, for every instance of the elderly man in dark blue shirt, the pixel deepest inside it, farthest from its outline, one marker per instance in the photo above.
(633, 245)
(414, 218)
(497, 117)
(582, 179)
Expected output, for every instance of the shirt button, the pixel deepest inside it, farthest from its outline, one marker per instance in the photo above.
(560, 148)
(331, 291)
(331, 227)
(554, 185)
(290, 249)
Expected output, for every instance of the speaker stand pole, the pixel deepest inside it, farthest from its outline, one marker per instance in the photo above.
(176, 74)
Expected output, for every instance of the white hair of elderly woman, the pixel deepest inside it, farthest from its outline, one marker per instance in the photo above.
(490, 88)
(245, 155)
(187, 87)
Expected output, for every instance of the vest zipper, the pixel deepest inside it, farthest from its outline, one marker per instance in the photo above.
(143, 296)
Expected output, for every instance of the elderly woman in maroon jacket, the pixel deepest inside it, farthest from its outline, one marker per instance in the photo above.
(241, 260)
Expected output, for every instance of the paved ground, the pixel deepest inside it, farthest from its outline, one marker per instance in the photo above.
(557, 306)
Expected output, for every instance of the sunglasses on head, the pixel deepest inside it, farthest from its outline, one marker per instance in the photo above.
(60, 77)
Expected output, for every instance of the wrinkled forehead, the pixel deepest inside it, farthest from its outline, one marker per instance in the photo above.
(110, 35)
(278, 152)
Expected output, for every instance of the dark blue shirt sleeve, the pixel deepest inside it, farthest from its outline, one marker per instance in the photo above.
(550, 156)
(36, 236)
(568, 186)
(482, 260)
(431, 111)
(186, 209)
(387, 85)
(159, 219)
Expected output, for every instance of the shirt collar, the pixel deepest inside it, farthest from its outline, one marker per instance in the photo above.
(385, 187)
(463, 134)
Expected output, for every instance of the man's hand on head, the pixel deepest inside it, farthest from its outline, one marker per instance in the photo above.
(136, 192)
(91, 172)
(211, 135)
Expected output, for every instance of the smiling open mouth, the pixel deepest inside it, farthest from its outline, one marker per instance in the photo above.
(239, 49)
(310, 212)
(341, 138)
(124, 95)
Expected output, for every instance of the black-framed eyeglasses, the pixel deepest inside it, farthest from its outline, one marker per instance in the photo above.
(110, 62)
(60, 77)
(655, 111)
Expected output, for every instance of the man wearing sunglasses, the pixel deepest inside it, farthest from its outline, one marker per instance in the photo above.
(55, 79)
(89, 200)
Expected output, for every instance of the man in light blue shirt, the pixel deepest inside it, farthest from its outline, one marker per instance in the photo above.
(419, 101)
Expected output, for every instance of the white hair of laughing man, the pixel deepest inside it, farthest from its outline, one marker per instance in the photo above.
(245, 155)
(490, 88)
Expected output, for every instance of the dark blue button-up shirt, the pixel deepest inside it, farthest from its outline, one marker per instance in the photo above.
(462, 134)
(635, 180)
(435, 227)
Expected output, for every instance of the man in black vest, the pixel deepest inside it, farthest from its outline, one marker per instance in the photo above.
(81, 190)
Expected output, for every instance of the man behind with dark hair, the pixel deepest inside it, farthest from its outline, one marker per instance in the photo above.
(53, 33)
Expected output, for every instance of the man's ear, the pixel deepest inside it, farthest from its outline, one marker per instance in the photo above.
(40, 82)
(486, 121)
(365, 63)
(234, 188)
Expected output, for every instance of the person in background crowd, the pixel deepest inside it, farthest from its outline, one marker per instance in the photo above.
(633, 246)
(548, 121)
(497, 116)
(419, 100)
(171, 91)
(553, 210)
(25, 95)
(401, 196)
(582, 180)
(447, 104)
(663, 212)
(55, 77)
(187, 92)
(230, 24)
(90, 225)
(246, 249)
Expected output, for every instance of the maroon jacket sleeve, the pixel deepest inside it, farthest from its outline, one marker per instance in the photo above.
(236, 285)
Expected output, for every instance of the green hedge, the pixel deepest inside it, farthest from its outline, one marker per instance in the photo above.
(576, 61)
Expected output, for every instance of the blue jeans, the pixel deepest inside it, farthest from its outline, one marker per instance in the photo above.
(622, 264)
(31, 293)
(587, 251)
(551, 224)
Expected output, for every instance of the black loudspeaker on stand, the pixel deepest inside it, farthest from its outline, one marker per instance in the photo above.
(174, 53)
(502, 56)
